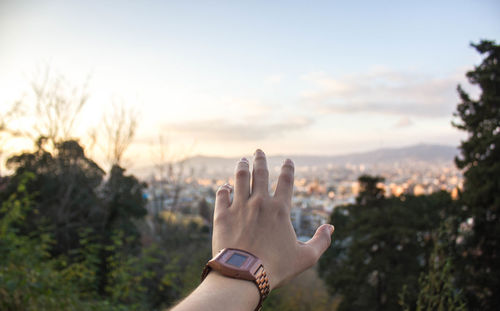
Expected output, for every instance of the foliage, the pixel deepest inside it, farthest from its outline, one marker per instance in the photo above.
(382, 244)
(65, 185)
(123, 200)
(370, 193)
(480, 158)
(105, 267)
(437, 290)
(29, 278)
(306, 292)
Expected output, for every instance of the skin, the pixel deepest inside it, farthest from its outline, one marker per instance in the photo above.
(259, 223)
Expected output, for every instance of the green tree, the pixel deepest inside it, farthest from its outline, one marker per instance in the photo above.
(65, 189)
(204, 211)
(381, 244)
(30, 278)
(123, 203)
(369, 191)
(437, 285)
(480, 160)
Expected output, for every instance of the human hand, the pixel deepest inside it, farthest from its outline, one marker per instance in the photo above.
(260, 223)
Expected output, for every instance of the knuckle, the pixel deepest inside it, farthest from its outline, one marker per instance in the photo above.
(286, 177)
(242, 173)
(283, 212)
(258, 201)
(220, 218)
(261, 172)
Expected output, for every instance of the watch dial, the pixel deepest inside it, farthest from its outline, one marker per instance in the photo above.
(236, 260)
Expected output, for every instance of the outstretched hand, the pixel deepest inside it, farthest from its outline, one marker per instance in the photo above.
(260, 223)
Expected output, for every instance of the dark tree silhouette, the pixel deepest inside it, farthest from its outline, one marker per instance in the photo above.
(66, 190)
(480, 159)
(380, 245)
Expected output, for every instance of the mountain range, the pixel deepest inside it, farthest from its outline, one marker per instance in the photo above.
(417, 153)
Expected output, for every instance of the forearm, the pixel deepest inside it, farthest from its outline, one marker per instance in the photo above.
(218, 292)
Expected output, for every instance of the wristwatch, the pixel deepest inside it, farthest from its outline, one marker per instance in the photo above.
(240, 264)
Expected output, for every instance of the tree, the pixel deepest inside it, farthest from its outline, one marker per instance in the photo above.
(123, 201)
(204, 211)
(167, 182)
(65, 187)
(437, 288)
(70, 239)
(381, 245)
(369, 190)
(32, 278)
(8, 132)
(119, 130)
(58, 104)
(480, 160)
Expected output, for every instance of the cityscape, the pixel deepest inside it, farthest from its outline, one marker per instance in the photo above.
(320, 186)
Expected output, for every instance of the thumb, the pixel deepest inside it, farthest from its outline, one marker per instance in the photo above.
(321, 239)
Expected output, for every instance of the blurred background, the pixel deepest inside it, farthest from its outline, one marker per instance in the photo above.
(119, 121)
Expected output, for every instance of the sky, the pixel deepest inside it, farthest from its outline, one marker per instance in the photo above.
(225, 77)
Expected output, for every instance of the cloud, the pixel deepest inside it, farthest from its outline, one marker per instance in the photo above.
(247, 130)
(403, 122)
(383, 91)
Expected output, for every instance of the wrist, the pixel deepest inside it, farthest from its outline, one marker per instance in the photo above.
(241, 294)
(240, 265)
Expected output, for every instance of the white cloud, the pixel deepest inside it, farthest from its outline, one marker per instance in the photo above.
(404, 122)
(248, 129)
(383, 91)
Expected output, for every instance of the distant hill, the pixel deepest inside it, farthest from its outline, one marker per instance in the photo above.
(421, 153)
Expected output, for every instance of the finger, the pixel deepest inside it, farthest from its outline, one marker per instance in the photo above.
(260, 174)
(318, 244)
(222, 199)
(284, 189)
(242, 181)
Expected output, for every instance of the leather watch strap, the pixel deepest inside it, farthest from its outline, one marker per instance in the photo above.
(262, 282)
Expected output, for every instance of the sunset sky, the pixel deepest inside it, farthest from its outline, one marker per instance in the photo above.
(223, 78)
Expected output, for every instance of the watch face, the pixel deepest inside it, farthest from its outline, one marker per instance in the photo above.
(236, 260)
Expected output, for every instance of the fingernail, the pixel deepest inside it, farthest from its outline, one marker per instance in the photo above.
(258, 152)
(288, 162)
(245, 160)
(331, 228)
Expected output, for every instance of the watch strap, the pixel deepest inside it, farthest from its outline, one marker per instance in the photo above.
(261, 280)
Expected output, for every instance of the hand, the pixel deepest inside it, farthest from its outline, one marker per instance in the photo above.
(260, 224)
